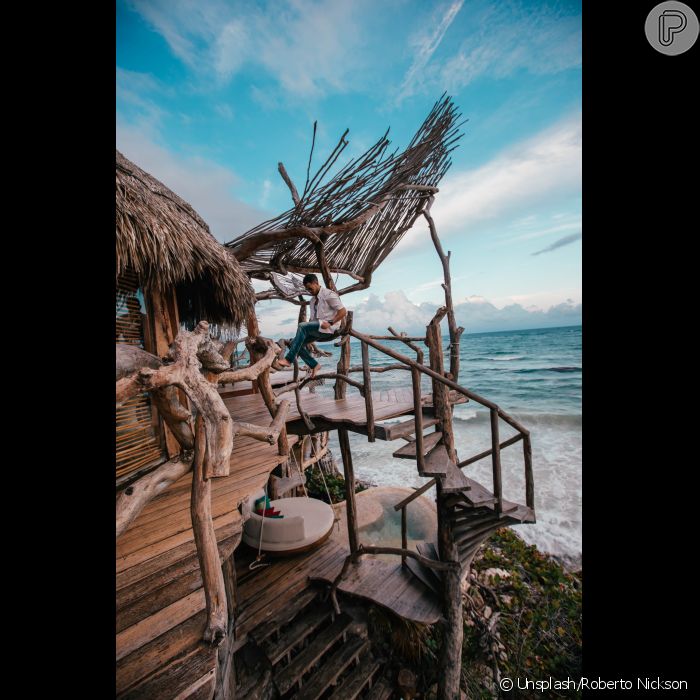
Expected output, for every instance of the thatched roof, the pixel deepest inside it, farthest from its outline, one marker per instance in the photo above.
(359, 215)
(167, 244)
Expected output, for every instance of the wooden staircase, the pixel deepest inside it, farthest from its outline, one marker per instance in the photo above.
(315, 654)
(472, 511)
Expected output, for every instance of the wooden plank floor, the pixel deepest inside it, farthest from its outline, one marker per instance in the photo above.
(385, 583)
(350, 410)
(265, 593)
(160, 599)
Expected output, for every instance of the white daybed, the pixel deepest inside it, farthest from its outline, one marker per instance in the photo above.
(307, 522)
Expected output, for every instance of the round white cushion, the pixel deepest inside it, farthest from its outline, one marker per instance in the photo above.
(305, 521)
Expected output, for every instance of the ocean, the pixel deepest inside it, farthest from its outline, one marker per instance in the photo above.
(533, 375)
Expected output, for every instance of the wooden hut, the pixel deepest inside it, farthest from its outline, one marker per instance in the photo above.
(171, 272)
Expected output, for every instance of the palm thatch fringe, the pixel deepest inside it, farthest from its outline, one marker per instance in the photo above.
(167, 244)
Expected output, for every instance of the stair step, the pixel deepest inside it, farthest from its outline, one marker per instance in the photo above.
(429, 551)
(287, 677)
(436, 463)
(285, 616)
(280, 486)
(400, 430)
(301, 628)
(467, 554)
(353, 684)
(380, 691)
(478, 532)
(424, 575)
(454, 481)
(409, 451)
(519, 512)
(331, 668)
(477, 495)
(469, 526)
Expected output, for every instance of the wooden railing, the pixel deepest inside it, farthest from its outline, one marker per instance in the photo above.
(417, 368)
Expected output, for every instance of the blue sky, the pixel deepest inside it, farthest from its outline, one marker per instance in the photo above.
(212, 95)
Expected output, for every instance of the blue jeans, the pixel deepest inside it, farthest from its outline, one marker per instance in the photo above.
(306, 333)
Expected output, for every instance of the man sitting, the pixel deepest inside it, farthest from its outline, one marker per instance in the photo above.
(327, 311)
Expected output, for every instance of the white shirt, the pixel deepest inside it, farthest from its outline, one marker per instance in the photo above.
(324, 307)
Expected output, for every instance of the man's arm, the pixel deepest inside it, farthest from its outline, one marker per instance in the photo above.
(340, 311)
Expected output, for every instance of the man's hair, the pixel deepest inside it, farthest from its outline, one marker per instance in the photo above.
(310, 278)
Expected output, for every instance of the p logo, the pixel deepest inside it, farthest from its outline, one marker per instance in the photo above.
(671, 22)
(671, 28)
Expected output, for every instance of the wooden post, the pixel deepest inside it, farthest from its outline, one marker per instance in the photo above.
(367, 377)
(350, 508)
(418, 418)
(253, 332)
(205, 540)
(441, 394)
(496, 462)
(163, 336)
(529, 480)
(344, 360)
(404, 535)
(451, 653)
(265, 388)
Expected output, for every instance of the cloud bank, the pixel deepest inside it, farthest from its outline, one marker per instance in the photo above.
(476, 315)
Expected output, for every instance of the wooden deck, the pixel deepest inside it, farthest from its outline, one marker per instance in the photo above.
(265, 593)
(385, 583)
(160, 599)
(328, 412)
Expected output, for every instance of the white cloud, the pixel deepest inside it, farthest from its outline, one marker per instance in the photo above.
(539, 232)
(134, 90)
(374, 314)
(426, 44)
(307, 47)
(501, 39)
(206, 185)
(525, 175)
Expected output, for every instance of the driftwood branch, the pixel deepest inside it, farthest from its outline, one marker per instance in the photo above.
(253, 371)
(131, 500)
(258, 432)
(386, 368)
(402, 337)
(229, 347)
(455, 330)
(166, 400)
(297, 396)
(290, 184)
(207, 548)
(176, 416)
(185, 373)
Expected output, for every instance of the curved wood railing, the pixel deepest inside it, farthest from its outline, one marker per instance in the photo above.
(495, 413)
